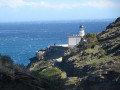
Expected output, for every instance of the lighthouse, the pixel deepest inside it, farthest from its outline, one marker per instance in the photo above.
(75, 39)
(81, 31)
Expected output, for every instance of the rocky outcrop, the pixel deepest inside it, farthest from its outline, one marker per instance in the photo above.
(106, 81)
(96, 60)
(114, 24)
(46, 57)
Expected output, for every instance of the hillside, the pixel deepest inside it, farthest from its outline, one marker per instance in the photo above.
(93, 64)
(96, 61)
(18, 77)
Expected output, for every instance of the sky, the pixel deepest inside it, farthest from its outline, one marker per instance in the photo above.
(50, 10)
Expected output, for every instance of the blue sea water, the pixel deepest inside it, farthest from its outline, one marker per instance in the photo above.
(21, 40)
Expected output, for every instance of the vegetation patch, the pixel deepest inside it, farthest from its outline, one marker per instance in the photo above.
(51, 72)
(5, 60)
(91, 39)
(53, 75)
(41, 64)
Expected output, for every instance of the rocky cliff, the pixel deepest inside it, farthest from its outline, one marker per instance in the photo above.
(96, 60)
(47, 57)
(17, 80)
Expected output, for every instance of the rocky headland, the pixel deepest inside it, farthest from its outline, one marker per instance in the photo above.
(96, 61)
(49, 57)
(93, 64)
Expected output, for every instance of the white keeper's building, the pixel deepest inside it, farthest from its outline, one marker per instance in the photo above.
(75, 39)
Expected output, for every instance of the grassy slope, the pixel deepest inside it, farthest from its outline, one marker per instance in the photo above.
(94, 62)
(46, 69)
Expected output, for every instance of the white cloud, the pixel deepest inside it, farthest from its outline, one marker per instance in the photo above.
(90, 3)
(16, 3)
(100, 3)
(55, 5)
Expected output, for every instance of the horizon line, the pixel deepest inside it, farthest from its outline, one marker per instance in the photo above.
(64, 21)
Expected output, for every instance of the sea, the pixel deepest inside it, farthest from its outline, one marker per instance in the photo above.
(21, 40)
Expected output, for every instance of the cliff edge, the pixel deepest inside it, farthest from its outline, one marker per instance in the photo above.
(96, 61)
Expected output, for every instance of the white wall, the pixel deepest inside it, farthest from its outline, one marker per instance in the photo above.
(73, 41)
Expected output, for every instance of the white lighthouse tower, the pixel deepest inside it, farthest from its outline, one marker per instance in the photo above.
(75, 39)
(81, 32)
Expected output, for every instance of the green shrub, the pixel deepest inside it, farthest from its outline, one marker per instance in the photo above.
(40, 64)
(93, 64)
(54, 78)
(5, 60)
(51, 72)
(91, 39)
(36, 73)
(90, 36)
(102, 53)
(52, 75)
